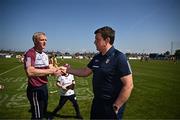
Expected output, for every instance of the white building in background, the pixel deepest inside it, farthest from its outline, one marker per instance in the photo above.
(135, 58)
(64, 57)
(3, 55)
(8, 56)
(79, 57)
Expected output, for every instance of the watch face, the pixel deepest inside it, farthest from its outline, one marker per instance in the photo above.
(115, 107)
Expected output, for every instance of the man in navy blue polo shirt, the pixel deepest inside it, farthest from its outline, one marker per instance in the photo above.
(112, 77)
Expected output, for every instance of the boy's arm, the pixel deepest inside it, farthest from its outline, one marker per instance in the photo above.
(73, 82)
(58, 83)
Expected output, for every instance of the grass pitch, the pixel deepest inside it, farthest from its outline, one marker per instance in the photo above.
(156, 93)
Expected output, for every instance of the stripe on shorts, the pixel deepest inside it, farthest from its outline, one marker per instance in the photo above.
(36, 105)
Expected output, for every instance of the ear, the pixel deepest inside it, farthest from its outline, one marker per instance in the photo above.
(35, 42)
(107, 40)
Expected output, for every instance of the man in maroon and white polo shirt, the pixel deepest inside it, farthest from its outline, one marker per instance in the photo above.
(37, 68)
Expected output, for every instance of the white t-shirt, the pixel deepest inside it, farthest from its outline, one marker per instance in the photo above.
(66, 81)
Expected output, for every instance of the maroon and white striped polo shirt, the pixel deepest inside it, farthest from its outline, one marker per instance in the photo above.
(39, 61)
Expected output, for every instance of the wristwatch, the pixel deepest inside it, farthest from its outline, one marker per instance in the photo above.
(115, 107)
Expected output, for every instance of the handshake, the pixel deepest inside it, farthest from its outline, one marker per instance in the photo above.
(61, 71)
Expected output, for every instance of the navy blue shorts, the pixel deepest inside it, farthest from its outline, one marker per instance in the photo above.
(38, 98)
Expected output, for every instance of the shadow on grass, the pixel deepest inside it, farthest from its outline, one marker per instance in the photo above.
(49, 115)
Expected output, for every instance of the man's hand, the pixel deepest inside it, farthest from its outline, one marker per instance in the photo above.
(58, 72)
(62, 70)
(116, 108)
(53, 70)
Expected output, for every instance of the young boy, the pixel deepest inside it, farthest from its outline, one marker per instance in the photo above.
(66, 84)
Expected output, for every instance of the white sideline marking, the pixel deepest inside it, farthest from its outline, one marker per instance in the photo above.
(10, 69)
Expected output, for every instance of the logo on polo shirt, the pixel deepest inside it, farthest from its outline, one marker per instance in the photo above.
(96, 60)
(95, 66)
(107, 61)
(41, 60)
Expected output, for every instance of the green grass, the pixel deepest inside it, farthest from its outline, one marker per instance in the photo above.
(156, 93)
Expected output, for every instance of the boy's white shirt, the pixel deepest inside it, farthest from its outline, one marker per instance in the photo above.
(66, 81)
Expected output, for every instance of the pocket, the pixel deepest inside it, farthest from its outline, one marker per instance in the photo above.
(109, 111)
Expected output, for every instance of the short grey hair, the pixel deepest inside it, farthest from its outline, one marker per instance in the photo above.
(37, 34)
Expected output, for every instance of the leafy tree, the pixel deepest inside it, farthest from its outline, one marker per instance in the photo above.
(167, 53)
(177, 54)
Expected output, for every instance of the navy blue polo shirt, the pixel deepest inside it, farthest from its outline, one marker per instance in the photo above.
(107, 71)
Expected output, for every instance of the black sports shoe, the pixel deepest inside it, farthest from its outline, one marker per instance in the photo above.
(51, 116)
(79, 117)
